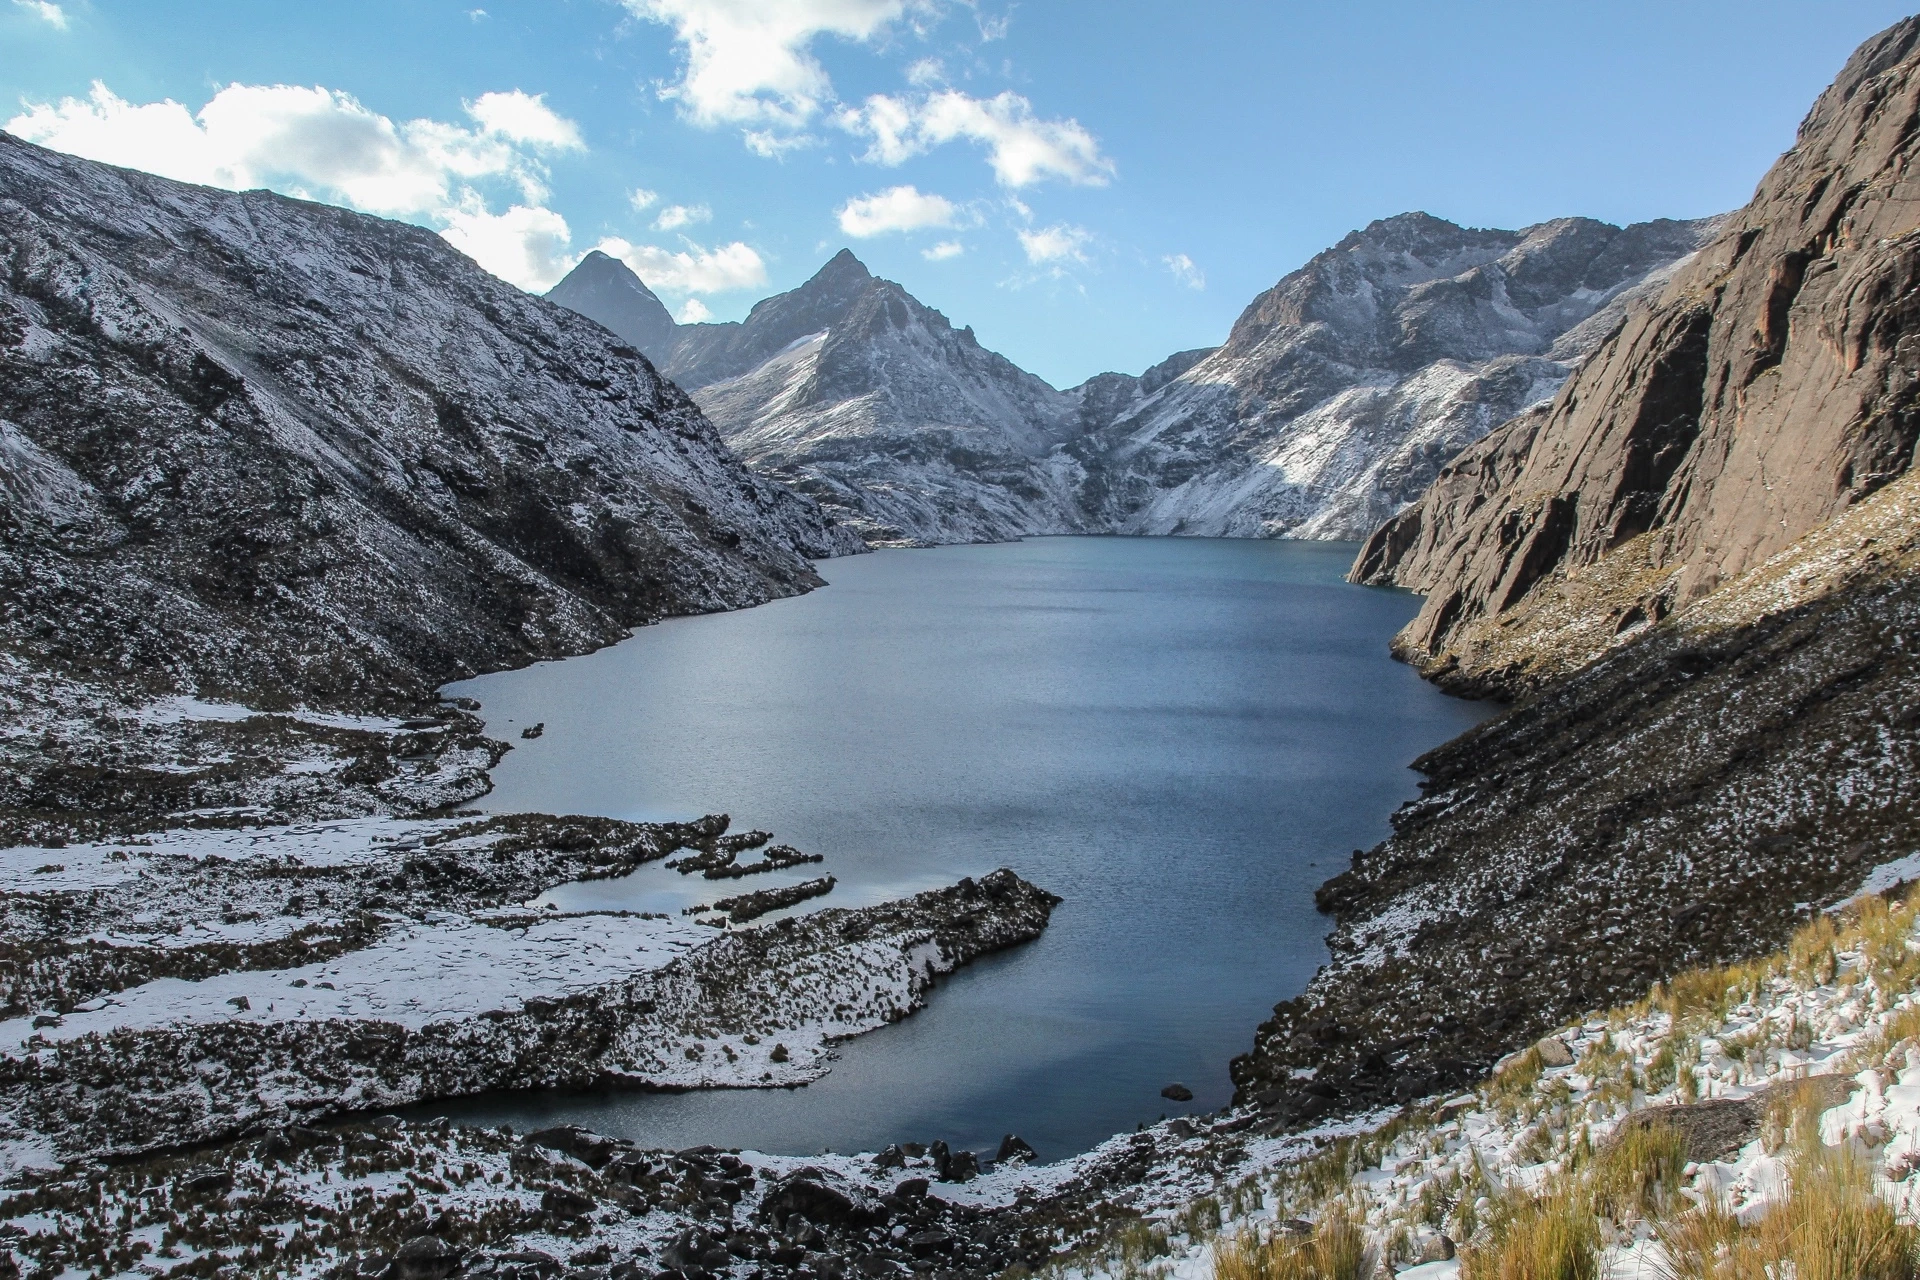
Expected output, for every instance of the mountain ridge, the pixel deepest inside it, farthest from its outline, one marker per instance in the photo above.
(1335, 400)
(239, 423)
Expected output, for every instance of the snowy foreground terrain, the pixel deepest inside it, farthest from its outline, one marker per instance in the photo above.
(1743, 1115)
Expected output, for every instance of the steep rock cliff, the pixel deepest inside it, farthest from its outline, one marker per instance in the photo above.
(1769, 387)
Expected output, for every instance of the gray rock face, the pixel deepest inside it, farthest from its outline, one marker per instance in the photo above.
(605, 289)
(1333, 405)
(261, 447)
(1343, 389)
(1771, 384)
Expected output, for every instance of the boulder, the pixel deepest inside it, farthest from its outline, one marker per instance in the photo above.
(566, 1205)
(583, 1145)
(1554, 1052)
(1013, 1147)
(694, 1250)
(425, 1258)
(820, 1198)
(1177, 1092)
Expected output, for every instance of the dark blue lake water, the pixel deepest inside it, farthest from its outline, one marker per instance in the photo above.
(1181, 737)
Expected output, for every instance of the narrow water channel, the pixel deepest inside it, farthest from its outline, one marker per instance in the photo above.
(1181, 737)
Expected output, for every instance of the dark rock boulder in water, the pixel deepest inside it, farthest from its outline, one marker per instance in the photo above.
(1177, 1093)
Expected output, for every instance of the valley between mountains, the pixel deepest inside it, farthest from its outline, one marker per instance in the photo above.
(274, 473)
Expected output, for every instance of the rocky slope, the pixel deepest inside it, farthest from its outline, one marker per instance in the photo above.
(1340, 393)
(257, 445)
(1343, 388)
(1708, 743)
(1771, 386)
(1685, 799)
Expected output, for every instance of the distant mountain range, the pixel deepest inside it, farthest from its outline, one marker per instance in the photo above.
(1333, 404)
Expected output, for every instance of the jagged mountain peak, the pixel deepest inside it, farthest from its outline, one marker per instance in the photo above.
(603, 288)
(1419, 235)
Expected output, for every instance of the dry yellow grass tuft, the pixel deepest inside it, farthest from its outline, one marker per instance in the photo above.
(1550, 1237)
(1829, 1226)
(1336, 1250)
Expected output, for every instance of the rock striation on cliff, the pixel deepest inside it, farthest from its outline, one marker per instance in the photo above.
(253, 445)
(1769, 387)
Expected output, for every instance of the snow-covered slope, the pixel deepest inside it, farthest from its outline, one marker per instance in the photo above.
(253, 444)
(1343, 389)
(900, 425)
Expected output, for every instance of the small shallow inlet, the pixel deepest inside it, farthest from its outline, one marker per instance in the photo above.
(1181, 737)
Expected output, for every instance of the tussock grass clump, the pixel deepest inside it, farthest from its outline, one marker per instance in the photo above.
(1324, 1176)
(1335, 1250)
(1891, 1042)
(1550, 1237)
(1200, 1219)
(1829, 1226)
(1638, 1174)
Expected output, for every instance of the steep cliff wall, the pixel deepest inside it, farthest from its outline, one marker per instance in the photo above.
(1769, 388)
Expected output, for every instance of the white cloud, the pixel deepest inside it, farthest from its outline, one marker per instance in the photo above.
(944, 250)
(642, 199)
(476, 15)
(323, 144)
(1184, 271)
(693, 270)
(527, 246)
(926, 72)
(1058, 243)
(693, 311)
(675, 216)
(749, 62)
(525, 117)
(1022, 148)
(774, 146)
(896, 209)
(47, 11)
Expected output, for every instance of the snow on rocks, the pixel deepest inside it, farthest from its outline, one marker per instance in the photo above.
(1705, 1108)
(456, 1004)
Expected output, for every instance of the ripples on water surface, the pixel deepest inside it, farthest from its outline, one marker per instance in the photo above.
(1181, 737)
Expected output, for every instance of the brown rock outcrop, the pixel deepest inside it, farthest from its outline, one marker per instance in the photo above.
(1773, 385)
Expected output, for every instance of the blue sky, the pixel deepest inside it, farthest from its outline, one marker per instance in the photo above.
(1089, 185)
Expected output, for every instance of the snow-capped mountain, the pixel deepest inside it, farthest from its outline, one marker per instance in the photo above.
(903, 427)
(1336, 400)
(253, 445)
(1345, 387)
